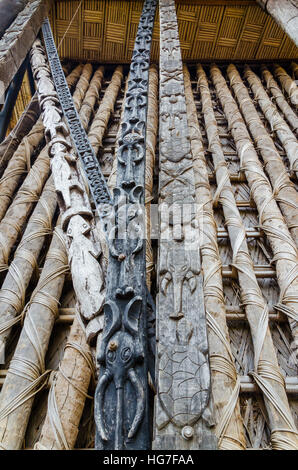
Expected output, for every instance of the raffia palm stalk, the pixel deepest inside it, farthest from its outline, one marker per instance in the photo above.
(225, 383)
(283, 189)
(287, 83)
(26, 374)
(265, 361)
(277, 123)
(19, 163)
(48, 291)
(270, 217)
(183, 407)
(279, 98)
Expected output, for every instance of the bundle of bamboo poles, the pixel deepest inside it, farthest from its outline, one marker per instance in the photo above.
(266, 372)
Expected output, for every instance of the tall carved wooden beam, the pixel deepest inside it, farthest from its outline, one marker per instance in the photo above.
(19, 37)
(77, 219)
(183, 409)
(40, 317)
(19, 162)
(121, 398)
(225, 382)
(285, 13)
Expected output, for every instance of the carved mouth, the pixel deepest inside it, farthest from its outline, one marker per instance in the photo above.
(177, 316)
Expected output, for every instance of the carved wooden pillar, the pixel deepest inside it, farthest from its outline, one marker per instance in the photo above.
(183, 412)
(121, 405)
(285, 13)
(77, 223)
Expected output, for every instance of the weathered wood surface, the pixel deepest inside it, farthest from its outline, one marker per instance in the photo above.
(256, 307)
(284, 190)
(277, 123)
(285, 13)
(122, 355)
(288, 113)
(8, 11)
(20, 162)
(183, 408)
(77, 222)
(25, 373)
(19, 37)
(225, 383)
(85, 101)
(287, 83)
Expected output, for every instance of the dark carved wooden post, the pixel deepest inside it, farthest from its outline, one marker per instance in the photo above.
(121, 405)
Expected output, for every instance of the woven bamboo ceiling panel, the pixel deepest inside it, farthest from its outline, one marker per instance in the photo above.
(104, 30)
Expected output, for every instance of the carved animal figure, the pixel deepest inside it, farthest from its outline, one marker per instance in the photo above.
(120, 351)
(86, 270)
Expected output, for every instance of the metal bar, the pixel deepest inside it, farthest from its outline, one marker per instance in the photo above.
(121, 397)
(11, 97)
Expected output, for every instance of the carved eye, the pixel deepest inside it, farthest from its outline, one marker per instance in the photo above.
(126, 354)
(111, 356)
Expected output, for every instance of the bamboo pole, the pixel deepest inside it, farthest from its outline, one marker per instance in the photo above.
(279, 98)
(151, 138)
(283, 189)
(43, 324)
(67, 394)
(19, 162)
(25, 261)
(26, 373)
(225, 383)
(287, 83)
(271, 220)
(275, 120)
(285, 13)
(106, 107)
(21, 129)
(256, 307)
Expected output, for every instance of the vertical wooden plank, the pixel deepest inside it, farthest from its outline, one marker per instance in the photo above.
(183, 411)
